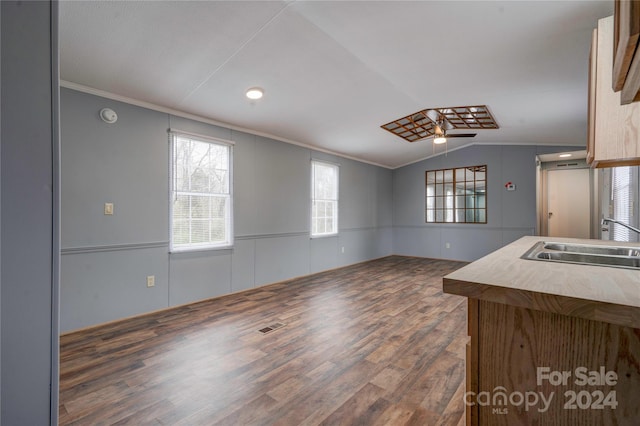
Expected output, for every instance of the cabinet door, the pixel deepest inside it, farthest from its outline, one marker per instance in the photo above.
(591, 120)
(471, 411)
(515, 345)
(617, 127)
(626, 63)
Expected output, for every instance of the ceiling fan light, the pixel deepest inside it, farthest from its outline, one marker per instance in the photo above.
(439, 140)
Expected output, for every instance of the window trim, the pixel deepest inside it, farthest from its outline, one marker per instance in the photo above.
(453, 209)
(336, 166)
(173, 134)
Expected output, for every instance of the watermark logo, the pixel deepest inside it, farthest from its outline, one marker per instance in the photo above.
(500, 399)
(582, 375)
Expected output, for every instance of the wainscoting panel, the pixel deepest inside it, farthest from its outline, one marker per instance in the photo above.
(102, 286)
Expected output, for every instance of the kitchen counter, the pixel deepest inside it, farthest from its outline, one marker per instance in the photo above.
(532, 322)
(591, 292)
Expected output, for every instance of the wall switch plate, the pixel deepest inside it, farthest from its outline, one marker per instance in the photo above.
(447, 245)
(108, 209)
(342, 250)
(151, 281)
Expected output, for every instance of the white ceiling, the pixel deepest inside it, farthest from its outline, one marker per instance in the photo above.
(334, 71)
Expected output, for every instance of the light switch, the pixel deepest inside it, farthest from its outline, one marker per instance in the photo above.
(108, 209)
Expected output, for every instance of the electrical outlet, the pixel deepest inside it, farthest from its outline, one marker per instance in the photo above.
(108, 209)
(342, 249)
(447, 245)
(151, 281)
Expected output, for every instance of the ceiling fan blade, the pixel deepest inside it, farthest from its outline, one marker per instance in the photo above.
(436, 116)
(460, 135)
(447, 125)
(433, 114)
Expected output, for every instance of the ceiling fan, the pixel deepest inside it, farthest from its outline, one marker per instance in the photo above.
(440, 135)
(436, 122)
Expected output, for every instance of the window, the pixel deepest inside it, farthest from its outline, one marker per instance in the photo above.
(200, 193)
(324, 199)
(456, 195)
(621, 201)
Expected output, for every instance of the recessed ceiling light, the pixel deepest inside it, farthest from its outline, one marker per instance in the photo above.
(564, 155)
(254, 93)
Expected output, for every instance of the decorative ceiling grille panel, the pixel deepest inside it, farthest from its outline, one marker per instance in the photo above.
(422, 124)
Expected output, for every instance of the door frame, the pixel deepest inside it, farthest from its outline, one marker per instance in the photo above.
(542, 209)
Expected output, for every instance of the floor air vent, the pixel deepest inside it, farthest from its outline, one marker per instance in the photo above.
(271, 328)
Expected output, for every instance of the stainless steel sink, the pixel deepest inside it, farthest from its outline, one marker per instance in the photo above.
(585, 254)
(593, 249)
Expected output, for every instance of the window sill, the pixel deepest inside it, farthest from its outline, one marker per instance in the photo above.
(228, 248)
(313, 237)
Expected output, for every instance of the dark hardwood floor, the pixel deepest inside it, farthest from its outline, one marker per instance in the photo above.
(376, 343)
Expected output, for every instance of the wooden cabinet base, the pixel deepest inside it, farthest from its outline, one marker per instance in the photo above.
(532, 367)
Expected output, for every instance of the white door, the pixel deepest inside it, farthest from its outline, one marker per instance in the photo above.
(568, 203)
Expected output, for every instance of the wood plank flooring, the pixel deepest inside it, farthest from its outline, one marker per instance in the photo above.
(376, 343)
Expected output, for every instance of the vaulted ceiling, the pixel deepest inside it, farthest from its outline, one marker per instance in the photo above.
(333, 72)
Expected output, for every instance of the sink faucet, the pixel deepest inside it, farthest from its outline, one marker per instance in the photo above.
(607, 220)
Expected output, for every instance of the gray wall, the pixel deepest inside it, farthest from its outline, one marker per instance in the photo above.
(510, 214)
(29, 246)
(106, 259)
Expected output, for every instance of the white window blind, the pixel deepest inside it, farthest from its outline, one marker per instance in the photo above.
(200, 193)
(621, 198)
(324, 198)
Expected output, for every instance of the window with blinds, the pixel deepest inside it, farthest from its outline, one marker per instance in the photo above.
(324, 199)
(200, 193)
(622, 202)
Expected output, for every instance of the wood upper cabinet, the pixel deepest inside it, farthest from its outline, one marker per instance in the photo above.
(591, 111)
(613, 129)
(626, 60)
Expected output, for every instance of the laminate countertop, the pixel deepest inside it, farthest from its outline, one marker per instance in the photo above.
(592, 292)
